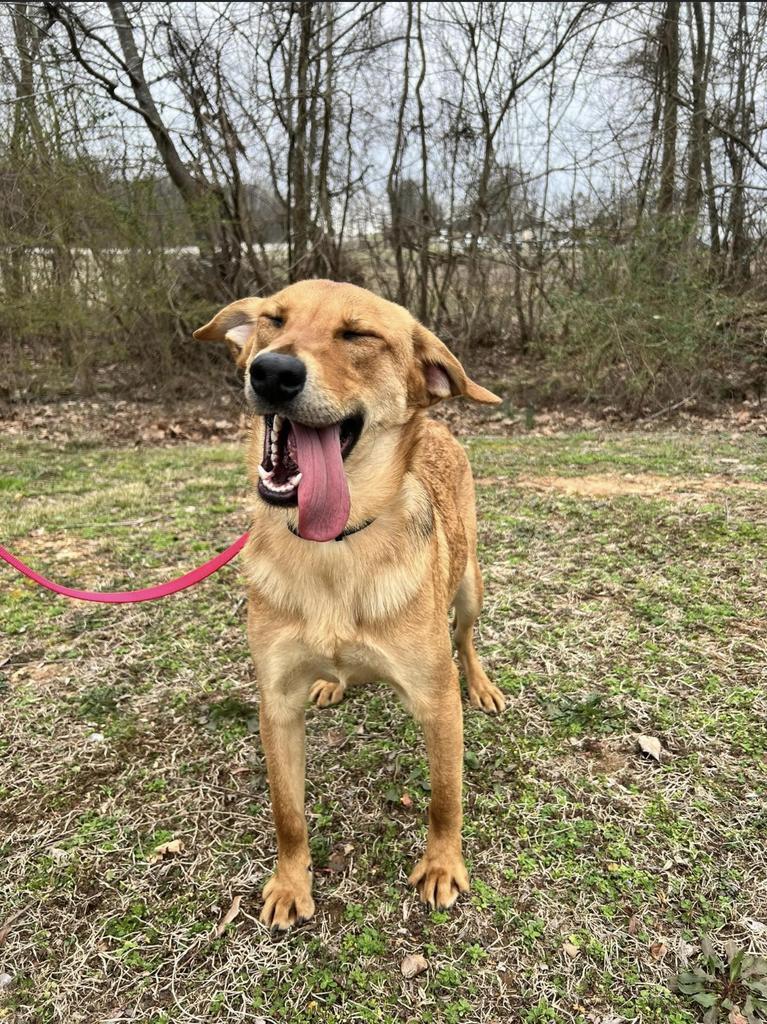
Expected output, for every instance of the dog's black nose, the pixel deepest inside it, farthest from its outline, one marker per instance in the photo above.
(277, 378)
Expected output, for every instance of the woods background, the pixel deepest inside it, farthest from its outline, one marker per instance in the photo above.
(574, 194)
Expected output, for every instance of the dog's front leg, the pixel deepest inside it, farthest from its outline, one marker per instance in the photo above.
(441, 874)
(288, 893)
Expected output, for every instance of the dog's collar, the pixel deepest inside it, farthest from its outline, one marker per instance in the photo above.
(341, 536)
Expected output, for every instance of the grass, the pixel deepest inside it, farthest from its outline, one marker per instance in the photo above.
(595, 870)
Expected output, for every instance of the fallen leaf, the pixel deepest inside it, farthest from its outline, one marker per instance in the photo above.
(633, 925)
(406, 800)
(684, 950)
(658, 950)
(337, 861)
(165, 849)
(228, 917)
(6, 980)
(736, 1017)
(570, 950)
(755, 926)
(650, 745)
(413, 965)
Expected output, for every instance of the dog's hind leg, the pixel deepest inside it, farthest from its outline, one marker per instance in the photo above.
(325, 693)
(468, 604)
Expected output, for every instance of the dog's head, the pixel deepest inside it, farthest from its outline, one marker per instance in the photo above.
(327, 365)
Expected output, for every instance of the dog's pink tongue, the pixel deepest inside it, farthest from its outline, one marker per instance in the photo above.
(323, 494)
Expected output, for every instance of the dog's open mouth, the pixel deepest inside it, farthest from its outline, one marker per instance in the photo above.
(304, 466)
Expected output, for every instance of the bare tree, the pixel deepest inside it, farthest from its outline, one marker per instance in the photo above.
(440, 153)
(669, 64)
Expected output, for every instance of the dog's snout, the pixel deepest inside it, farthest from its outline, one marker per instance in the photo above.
(277, 378)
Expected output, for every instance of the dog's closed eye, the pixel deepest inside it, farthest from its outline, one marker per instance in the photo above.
(275, 321)
(357, 334)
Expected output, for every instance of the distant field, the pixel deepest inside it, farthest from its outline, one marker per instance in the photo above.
(626, 595)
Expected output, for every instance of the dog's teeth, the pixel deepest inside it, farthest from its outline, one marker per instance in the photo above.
(277, 424)
(295, 480)
(263, 473)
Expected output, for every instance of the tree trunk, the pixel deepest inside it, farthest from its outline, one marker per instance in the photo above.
(26, 124)
(393, 181)
(711, 207)
(669, 50)
(298, 150)
(693, 190)
(425, 218)
(330, 247)
(739, 269)
(192, 190)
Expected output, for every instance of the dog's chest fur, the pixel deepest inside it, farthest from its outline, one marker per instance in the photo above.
(339, 609)
(367, 607)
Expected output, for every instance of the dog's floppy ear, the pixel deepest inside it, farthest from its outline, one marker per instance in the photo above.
(443, 375)
(235, 324)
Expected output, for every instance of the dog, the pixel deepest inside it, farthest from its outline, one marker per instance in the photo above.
(363, 538)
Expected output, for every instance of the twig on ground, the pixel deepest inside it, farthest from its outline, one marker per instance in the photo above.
(6, 929)
(665, 410)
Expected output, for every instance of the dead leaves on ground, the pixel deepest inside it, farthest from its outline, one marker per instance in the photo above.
(338, 862)
(226, 920)
(658, 950)
(169, 849)
(412, 965)
(651, 746)
(163, 431)
(124, 422)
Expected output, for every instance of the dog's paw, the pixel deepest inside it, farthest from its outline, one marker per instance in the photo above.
(486, 696)
(287, 901)
(439, 879)
(325, 693)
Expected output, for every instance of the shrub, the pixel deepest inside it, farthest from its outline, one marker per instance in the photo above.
(643, 326)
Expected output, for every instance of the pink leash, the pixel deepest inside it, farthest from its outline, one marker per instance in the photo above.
(131, 596)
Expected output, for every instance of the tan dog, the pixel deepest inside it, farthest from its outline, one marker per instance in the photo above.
(363, 537)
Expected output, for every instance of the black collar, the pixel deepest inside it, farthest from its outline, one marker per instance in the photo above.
(341, 536)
